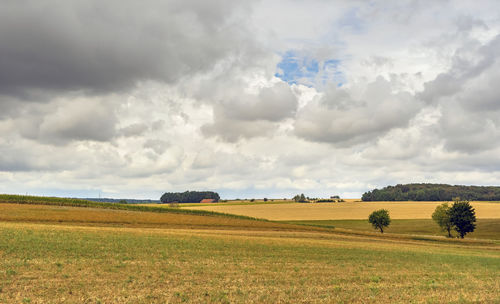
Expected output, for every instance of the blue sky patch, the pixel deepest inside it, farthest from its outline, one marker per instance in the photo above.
(296, 69)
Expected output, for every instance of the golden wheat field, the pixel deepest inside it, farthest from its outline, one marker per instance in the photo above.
(350, 210)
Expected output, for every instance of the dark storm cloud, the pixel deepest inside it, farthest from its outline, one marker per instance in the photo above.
(103, 46)
(54, 54)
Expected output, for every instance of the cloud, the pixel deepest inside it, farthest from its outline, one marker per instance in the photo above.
(467, 96)
(252, 115)
(204, 159)
(107, 46)
(338, 117)
(469, 62)
(469, 132)
(231, 130)
(60, 121)
(157, 145)
(135, 129)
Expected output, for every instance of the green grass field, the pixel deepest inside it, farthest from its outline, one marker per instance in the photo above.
(485, 228)
(68, 254)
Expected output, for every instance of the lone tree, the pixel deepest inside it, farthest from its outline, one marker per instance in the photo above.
(380, 219)
(463, 217)
(442, 217)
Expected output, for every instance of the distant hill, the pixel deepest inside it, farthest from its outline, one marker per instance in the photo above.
(433, 192)
(123, 200)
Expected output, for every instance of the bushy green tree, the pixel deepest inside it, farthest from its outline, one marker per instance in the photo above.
(300, 198)
(463, 217)
(379, 219)
(441, 216)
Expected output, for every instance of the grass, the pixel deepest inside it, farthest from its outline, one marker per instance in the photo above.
(485, 228)
(347, 210)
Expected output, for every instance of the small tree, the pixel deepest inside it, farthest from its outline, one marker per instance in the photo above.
(441, 216)
(463, 217)
(380, 219)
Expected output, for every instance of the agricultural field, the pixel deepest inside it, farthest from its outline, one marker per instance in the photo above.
(68, 254)
(226, 203)
(350, 210)
(485, 228)
(70, 215)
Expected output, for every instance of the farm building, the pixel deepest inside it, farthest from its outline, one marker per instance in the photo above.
(207, 200)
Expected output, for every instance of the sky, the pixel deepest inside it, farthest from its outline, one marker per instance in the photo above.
(252, 99)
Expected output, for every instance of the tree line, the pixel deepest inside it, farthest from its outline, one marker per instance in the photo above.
(188, 197)
(432, 192)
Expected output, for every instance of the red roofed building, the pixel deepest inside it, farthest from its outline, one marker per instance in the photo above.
(207, 201)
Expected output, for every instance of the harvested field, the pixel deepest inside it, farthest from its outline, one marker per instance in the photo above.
(68, 254)
(347, 210)
(75, 264)
(77, 215)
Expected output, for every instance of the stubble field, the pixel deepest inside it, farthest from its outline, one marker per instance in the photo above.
(79, 255)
